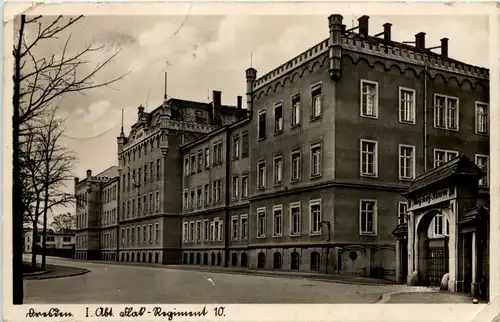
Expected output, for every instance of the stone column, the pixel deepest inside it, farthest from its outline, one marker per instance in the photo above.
(452, 250)
(412, 240)
(399, 278)
(475, 282)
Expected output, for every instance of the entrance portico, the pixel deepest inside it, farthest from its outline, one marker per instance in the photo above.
(445, 231)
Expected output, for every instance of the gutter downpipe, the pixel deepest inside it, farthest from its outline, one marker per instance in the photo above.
(425, 114)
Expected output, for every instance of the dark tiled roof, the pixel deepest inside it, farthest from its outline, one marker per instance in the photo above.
(401, 230)
(460, 166)
(478, 213)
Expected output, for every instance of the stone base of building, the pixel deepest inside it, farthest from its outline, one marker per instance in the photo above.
(88, 254)
(210, 257)
(108, 255)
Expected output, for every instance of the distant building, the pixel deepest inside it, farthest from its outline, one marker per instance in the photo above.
(58, 243)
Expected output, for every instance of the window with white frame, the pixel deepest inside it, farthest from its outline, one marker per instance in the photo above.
(369, 156)
(184, 233)
(295, 156)
(278, 117)
(235, 187)
(440, 226)
(482, 163)
(296, 110)
(368, 216)
(406, 162)
(193, 163)
(198, 231)
(234, 227)
(192, 202)
(445, 112)
(316, 160)
(157, 233)
(219, 190)
(369, 98)
(406, 105)
(216, 229)
(200, 160)
(157, 204)
(144, 234)
(186, 166)
(207, 194)
(261, 223)
(261, 130)
(261, 174)
(315, 216)
(482, 118)
(244, 144)
(243, 227)
(278, 169)
(244, 186)
(206, 230)
(191, 231)
(150, 233)
(199, 196)
(236, 147)
(443, 156)
(402, 210)
(186, 199)
(277, 221)
(221, 229)
(295, 219)
(207, 158)
(316, 101)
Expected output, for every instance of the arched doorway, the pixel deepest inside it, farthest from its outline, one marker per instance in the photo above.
(198, 259)
(126, 257)
(191, 258)
(277, 260)
(150, 258)
(234, 259)
(212, 259)
(294, 265)
(143, 257)
(315, 261)
(205, 259)
(185, 258)
(123, 255)
(133, 258)
(219, 259)
(157, 258)
(261, 260)
(433, 255)
(243, 260)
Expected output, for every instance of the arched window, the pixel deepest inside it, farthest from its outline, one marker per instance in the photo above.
(126, 257)
(205, 259)
(198, 259)
(143, 257)
(219, 259)
(191, 258)
(212, 262)
(234, 259)
(243, 260)
(261, 260)
(157, 258)
(277, 260)
(185, 258)
(133, 257)
(295, 261)
(315, 261)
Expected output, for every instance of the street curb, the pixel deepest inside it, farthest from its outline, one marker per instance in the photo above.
(82, 272)
(34, 273)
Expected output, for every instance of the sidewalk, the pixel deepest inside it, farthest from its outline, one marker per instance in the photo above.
(55, 271)
(431, 297)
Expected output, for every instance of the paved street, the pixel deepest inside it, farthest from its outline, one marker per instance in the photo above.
(129, 284)
(117, 283)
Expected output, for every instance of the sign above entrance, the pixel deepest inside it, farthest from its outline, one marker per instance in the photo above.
(432, 198)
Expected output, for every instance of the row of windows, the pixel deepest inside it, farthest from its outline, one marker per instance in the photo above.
(132, 235)
(81, 220)
(81, 200)
(196, 197)
(239, 227)
(295, 160)
(135, 153)
(204, 231)
(109, 194)
(143, 176)
(135, 208)
(108, 240)
(315, 260)
(81, 241)
(109, 217)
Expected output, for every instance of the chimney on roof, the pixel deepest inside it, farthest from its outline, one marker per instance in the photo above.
(239, 101)
(387, 32)
(89, 173)
(444, 47)
(251, 76)
(420, 40)
(363, 25)
(216, 98)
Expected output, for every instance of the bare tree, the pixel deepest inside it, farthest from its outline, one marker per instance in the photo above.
(39, 82)
(64, 223)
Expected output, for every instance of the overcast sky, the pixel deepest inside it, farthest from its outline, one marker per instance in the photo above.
(205, 53)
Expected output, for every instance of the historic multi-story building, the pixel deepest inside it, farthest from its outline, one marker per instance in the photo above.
(310, 176)
(58, 243)
(90, 206)
(109, 219)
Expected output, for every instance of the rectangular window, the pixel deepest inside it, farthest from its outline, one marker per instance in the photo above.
(199, 196)
(236, 147)
(369, 99)
(261, 173)
(138, 229)
(132, 230)
(214, 154)
(150, 235)
(200, 160)
(445, 112)
(207, 158)
(193, 199)
(151, 171)
(369, 157)
(315, 216)
(244, 144)
(133, 207)
(191, 231)
(482, 163)
(278, 170)
(443, 156)
(261, 223)
(186, 199)
(278, 117)
(295, 165)
(214, 192)
(198, 231)
(234, 227)
(368, 214)
(406, 105)
(277, 221)
(221, 226)
(150, 202)
(295, 219)
(244, 186)
(243, 227)
(219, 190)
(206, 232)
(219, 154)
(144, 234)
(139, 178)
(406, 162)
(193, 163)
(157, 203)
(235, 188)
(315, 160)
(123, 236)
(212, 231)
(481, 118)
(262, 125)
(145, 173)
(186, 166)
(158, 168)
(402, 210)
(207, 194)
(296, 110)
(316, 108)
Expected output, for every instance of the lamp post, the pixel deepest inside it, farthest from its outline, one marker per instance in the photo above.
(329, 226)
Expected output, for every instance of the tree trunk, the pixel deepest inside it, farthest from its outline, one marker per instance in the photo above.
(17, 204)
(33, 247)
(44, 238)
